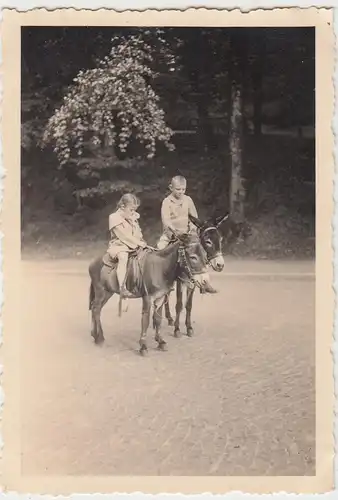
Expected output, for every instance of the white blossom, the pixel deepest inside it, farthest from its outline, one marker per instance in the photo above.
(117, 92)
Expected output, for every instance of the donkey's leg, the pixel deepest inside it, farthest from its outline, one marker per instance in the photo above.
(167, 310)
(146, 304)
(101, 298)
(190, 295)
(93, 331)
(91, 303)
(158, 307)
(179, 307)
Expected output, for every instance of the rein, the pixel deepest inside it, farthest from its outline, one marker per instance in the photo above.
(183, 261)
(183, 258)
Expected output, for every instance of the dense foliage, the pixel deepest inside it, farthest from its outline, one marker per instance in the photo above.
(113, 103)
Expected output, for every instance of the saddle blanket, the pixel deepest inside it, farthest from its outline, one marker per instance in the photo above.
(135, 270)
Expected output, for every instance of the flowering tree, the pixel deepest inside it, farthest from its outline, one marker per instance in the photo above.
(114, 102)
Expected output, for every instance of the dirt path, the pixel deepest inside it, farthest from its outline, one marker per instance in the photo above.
(236, 399)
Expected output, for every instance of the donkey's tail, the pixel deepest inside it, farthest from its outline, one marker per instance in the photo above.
(91, 296)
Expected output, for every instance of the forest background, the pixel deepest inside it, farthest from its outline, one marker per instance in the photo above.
(108, 110)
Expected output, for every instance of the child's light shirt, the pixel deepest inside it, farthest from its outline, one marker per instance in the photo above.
(126, 235)
(175, 214)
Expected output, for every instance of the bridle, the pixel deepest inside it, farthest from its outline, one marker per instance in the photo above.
(202, 232)
(183, 262)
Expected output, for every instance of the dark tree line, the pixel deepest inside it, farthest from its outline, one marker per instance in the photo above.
(232, 74)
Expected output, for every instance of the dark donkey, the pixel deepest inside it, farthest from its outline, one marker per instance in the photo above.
(211, 241)
(150, 276)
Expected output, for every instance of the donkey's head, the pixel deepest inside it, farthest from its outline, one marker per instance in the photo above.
(192, 258)
(211, 239)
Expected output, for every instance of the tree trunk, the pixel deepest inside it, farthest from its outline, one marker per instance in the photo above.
(205, 125)
(237, 193)
(257, 105)
(257, 82)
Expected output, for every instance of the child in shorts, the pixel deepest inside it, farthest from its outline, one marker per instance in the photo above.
(175, 212)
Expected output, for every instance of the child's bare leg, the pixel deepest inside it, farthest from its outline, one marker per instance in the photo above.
(121, 272)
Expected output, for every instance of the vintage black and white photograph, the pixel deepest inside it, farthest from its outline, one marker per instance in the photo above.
(168, 250)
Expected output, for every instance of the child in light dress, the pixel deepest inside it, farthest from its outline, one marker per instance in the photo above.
(125, 236)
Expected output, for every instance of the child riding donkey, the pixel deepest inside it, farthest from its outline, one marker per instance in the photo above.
(125, 237)
(175, 212)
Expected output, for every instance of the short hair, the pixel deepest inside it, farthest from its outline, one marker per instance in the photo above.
(128, 199)
(178, 179)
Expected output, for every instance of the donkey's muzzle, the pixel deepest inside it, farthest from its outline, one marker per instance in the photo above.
(217, 263)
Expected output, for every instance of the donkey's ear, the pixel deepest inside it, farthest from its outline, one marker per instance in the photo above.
(219, 220)
(197, 222)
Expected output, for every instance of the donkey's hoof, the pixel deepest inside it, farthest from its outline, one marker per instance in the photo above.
(162, 346)
(190, 332)
(99, 340)
(170, 322)
(143, 350)
(177, 333)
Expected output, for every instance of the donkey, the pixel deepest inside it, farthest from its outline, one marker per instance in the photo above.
(150, 276)
(211, 241)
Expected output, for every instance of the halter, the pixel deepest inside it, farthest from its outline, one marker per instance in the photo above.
(182, 256)
(183, 261)
(200, 232)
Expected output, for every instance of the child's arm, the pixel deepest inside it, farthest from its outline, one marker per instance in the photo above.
(165, 216)
(192, 211)
(127, 238)
(192, 208)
